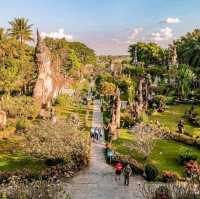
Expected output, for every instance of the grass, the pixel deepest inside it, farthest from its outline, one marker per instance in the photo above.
(125, 145)
(164, 156)
(12, 157)
(172, 116)
(64, 111)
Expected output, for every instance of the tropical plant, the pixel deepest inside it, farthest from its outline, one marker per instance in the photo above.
(149, 53)
(151, 172)
(188, 48)
(184, 79)
(21, 30)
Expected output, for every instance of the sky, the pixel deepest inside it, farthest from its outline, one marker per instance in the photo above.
(107, 26)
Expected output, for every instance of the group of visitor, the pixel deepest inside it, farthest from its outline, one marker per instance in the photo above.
(96, 133)
(126, 171)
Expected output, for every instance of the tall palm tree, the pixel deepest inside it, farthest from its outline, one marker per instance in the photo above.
(21, 30)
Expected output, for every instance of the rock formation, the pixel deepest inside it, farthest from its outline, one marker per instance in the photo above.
(50, 81)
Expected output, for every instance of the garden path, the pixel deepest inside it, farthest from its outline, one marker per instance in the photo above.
(98, 180)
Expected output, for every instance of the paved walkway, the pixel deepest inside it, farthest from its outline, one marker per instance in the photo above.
(98, 181)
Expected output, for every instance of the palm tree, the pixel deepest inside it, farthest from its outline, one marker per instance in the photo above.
(21, 30)
(184, 78)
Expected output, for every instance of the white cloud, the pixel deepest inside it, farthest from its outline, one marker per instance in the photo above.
(135, 34)
(163, 35)
(57, 35)
(171, 20)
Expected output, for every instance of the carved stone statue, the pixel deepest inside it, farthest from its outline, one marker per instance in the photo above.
(50, 82)
(174, 61)
(181, 127)
(116, 111)
(141, 102)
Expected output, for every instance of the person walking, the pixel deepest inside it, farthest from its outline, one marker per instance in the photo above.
(92, 134)
(118, 170)
(127, 173)
(96, 134)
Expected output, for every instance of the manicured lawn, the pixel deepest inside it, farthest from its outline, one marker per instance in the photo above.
(75, 107)
(164, 155)
(125, 145)
(12, 158)
(172, 116)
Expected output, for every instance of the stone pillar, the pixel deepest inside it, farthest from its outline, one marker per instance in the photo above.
(118, 108)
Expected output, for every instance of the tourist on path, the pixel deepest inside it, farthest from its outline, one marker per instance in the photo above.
(127, 173)
(92, 134)
(118, 170)
(96, 134)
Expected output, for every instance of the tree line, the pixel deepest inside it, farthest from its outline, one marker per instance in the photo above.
(17, 57)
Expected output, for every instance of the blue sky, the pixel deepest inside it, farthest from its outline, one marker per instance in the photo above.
(108, 26)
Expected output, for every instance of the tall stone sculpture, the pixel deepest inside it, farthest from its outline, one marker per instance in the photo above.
(141, 102)
(50, 82)
(116, 112)
(135, 61)
(174, 61)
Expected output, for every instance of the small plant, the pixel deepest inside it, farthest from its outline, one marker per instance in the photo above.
(192, 169)
(169, 177)
(22, 124)
(159, 102)
(127, 120)
(163, 192)
(63, 100)
(23, 106)
(151, 172)
(186, 156)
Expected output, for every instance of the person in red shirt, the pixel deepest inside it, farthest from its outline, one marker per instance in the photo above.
(118, 170)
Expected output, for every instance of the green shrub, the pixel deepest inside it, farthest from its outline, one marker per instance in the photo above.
(63, 100)
(59, 143)
(23, 106)
(198, 143)
(151, 172)
(170, 100)
(22, 124)
(127, 120)
(143, 118)
(186, 156)
(159, 101)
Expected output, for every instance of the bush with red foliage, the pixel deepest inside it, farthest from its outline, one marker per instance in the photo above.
(192, 169)
(169, 177)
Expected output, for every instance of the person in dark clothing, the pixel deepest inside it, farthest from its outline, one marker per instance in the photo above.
(127, 173)
(96, 134)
